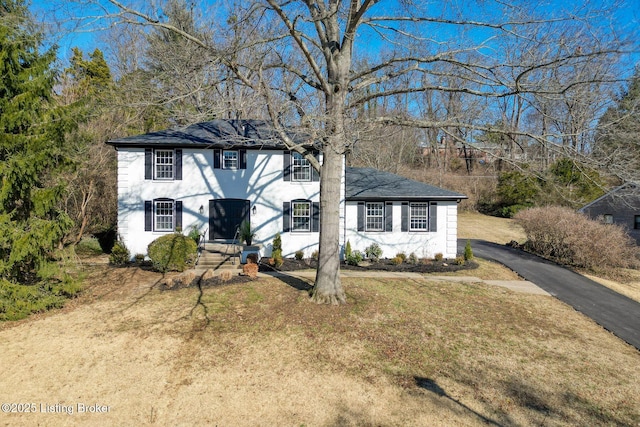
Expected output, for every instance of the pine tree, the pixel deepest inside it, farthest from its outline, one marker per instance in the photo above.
(31, 148)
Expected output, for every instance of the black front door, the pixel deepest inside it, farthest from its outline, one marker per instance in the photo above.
(225, 216)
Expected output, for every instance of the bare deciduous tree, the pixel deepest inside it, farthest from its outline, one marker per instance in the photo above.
(325, 60)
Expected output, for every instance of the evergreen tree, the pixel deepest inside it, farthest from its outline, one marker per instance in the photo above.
(31, 148)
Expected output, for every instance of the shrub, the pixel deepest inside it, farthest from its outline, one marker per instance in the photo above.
(438, 256)
(194, 234)
(139, 258)
(277, 258)
(413, 258)
(459, 260)
(571, 238)
(347, 250)
(299, 255)
(468, 252)
(247, 233)
(225, 275)
(172, 252)
(277, 243)
(397, 260)
(119, 254)
(315, 255)
(354, 258)
(373, 252)
(252, 258)
(402, 256)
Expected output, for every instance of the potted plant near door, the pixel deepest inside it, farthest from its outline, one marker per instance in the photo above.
(247, 235)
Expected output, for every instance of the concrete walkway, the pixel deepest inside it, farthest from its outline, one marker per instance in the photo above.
(522, 286)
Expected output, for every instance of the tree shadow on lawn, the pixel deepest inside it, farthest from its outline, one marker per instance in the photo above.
(430, 385)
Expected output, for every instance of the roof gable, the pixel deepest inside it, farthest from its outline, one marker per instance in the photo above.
(371, 184)
(213, 134)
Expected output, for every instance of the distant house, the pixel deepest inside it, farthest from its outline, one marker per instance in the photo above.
(212, 176)
(619, 206)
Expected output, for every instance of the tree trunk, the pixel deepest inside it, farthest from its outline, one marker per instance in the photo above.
(328, 287)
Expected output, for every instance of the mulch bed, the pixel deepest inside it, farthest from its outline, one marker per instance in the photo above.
(424, 266)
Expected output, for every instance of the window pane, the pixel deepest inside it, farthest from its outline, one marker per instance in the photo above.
(636, 222)
(608, 219)
(419, 216)
(300, 167)
(375, 214)
(164, 216)
(301, 216)
(230, 160)
(164, 164)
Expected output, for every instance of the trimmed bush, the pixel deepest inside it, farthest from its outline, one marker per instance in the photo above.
(299, 255)
(397, 260)
(402, 256)
(172, 252)
(354, 258)
(438, 256)
(468, 252)
(413, 259)
(119, 254)
(571, 238)
(373, 252)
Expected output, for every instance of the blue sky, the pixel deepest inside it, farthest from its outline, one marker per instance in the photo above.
(625, 19)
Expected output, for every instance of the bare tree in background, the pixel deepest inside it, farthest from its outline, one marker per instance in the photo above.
(323, 60)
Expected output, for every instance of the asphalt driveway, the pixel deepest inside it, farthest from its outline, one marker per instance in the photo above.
(616, 313)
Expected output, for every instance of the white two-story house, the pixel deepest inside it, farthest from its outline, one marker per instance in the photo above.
(212, 176)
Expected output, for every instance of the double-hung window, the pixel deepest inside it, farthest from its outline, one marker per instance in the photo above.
(163, 164)
(230, 159)
(300, 167)
(164, 215)
(419, 217)
(375, 216)
(301, 216)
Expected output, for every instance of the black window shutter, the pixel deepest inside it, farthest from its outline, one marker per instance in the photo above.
(360, 216)
(243, 159)
(433, 216)
(405, 217)
(388, 216)
(148, 163)
(286, 215)
(178, 157)
(315, 220)
(315, 175)
(286, 165)
(148, 215)
(216, 158)
(178, 206)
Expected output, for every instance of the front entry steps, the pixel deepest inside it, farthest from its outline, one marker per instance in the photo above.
(219, 256)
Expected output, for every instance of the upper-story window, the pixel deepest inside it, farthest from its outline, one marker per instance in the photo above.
(300, 168)
(375, 216)
(230, 159)
(163, 164)
(419, 217)
(607, 219)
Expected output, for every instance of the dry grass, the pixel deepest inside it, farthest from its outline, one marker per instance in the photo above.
(473, 225)
(401, 353)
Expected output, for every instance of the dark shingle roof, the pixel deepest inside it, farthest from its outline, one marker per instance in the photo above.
(214, 134)
(371, 184)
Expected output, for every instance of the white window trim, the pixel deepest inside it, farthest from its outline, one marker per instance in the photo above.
(172, 157)
(237, 160)
(367, 216)
(411, 217)
(304, 164)
(308, 217)
(155, 215)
